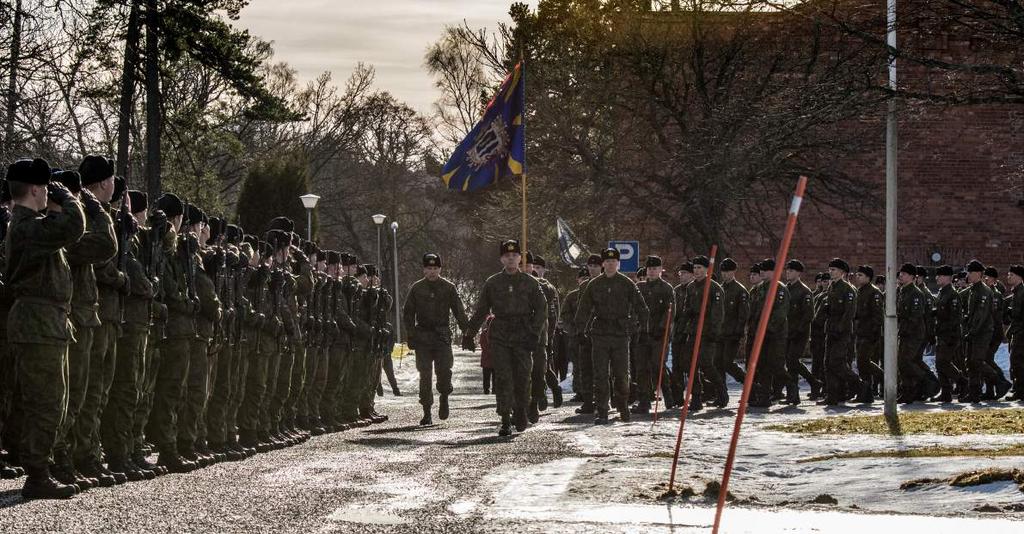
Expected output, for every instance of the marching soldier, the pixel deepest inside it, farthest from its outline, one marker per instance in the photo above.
(772, 361)
(991, 279)
(817, 342)
(543, 377)
(680, 339)
(431, 302)
(611, 305)
(517, 302)
(572, 343)
(1015, 332)
(867, 325)
(801, 313)
(586, 370)
(658, 295)
(948, 317)
(978, 327)
(708, 374)
(912, 313)
(735, 312)
(840, 307)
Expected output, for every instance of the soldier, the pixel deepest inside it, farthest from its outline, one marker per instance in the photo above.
(586, 366)
(299, 303)
(573, 346)
(350, 296)
(947, 319)
(519, 309)
(772, 362)
(381, 333)
(707, 374)
(735, 313)
(801, 312)
(912, 313)
(223, 389)
(8, 369)
(429, 305)
(817, 343)
(611, 305)
(977, 333)
(658, 295)
(991, 279)
(37, 275)
(543, 377)
(755, 275)
(867, 326)
(680, 338)
(1015, 332)
(840, 311)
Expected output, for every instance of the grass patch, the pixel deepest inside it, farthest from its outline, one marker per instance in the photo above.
(987, 421)
(972, 478)
(922, 452)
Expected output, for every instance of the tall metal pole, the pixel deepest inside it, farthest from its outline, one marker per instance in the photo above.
(379, 261)
(309, 224)
(398, 292)
(890, 226)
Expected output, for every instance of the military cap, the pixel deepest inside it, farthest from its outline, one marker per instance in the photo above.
(510, 246)
(991, 272)
(583, 273)
(195, 215)
(703, 261)
(685, 266)
(233, 234)
(333, 257)
(282, 223)
(70, 179)
(361, 270)
(908, 268)
(120, 186)
(960, 275)
(29, 171)
(767, 265)
(641, 272)
(371, 269)
(944, 270)
(5, 192)
(880, 280)
(138, 200)
(309, 248)
(866, 270)
(431, 260)
(922, 271)
(728, 265)
(216, 229)
(755, 268)
(975, 266)
(610, 254)
(594, 259)
(278, 239)
(795, 265)
(840, 264)
(95, 169)
(251, 240)
(652, 261)
(348, 259)
(1017, 270)
(823, 277)
(539, 261)
(170, 204)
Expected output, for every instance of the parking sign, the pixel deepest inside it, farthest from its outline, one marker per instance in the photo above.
(629, 255)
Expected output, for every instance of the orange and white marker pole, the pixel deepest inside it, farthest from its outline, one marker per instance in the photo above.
(664, 354)
(755, 353)
(693, 365)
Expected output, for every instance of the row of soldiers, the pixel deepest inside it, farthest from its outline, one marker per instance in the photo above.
(130, 330)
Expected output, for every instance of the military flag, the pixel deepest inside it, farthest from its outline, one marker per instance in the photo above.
(496, 146)
(573, 253)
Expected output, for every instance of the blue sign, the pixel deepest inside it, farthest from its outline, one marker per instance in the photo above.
(629, 255)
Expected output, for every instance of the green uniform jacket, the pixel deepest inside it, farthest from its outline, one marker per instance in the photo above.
(138, 303)
(428, 309)
(37, 274)
(801, 310)
(997, 311)
(948, 315)
(110, 282)
(570, 304)
(978, 312)
(713, 316)
(870, 315)
(840, 308)
(659, 296)
(174, 289)
(518, 305)
(735, 309)
(209, 306)
(96, 246)
(911, 312)
(551, 296)
(615, 304)
(779, 319)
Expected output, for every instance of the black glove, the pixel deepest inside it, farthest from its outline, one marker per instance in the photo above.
(468, 343)
(92, 205)
(127, 223)
(158, 220)
(57, 193)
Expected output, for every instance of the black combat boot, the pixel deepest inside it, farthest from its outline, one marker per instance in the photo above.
(601, 418)
(542, 402)
(140, 460)
(641, 408)
(556, 396)
(586, 408)
(521, 422)
(8, 472)
(867, 391)
(533, 415)
(65, 475)
(119, 476)
(40, 485)
(147, 474)
(506, 426)
(945, 394)
(1002, 387)
(120, 465)
(175, 463)
(427, 419)
(792, 394)
(89, 470)
(442, 408)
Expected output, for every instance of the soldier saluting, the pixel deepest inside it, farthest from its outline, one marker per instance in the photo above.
(519, 309)
(427, 311)
(39, 279)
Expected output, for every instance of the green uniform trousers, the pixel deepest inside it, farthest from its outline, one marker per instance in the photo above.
(258, 358)
(610, 354)
(78, 381)
(513, 365)
(297, 390)
(282, 388)
(102, 362)
(150, 366)
(220, 396)
(239, 378)
(125, 392)
(171, 380)
(42, 389)
(316, 374)
(436, 360)
(197, 391)
(646, 361)
(337, 363)
(358, 373)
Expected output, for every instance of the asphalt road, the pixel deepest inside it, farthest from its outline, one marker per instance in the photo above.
(562, 475)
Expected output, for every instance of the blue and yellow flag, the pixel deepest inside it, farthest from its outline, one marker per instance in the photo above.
(496, 146)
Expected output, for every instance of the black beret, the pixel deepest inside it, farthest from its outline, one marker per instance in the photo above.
(686, 266)
(991, 272)
(371, 269)
(194, 215)
(909, 268)
(703, 261)
(583, 273)
(728, 265)
(138, 200)
(278, 239)
(510, 246)
(944, 270)
(95, 169)
(880, 280)
(360, 270)
(70, 179)
(975, 266)
(922, 271)
(233, 234)
(282, 223)
(594, 259)
(348, 259)
(840, 264)
(795, 265)
(539, 261)
(641, 272)
(333, 257)
(755, 268)
(767, 264)
(610, 254)
(216, 229)
(1017, 270)
(120, 186)
(309, 248)
(431, 260)
(29, 171)
(823, 277)
(652, 261)
(170, 204)
(867, 271)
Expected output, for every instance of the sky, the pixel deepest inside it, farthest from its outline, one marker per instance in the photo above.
(314, 36)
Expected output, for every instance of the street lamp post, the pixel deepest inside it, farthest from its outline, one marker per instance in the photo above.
(891, 189)
(379, 219)
(398, 293)
(309, 201)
